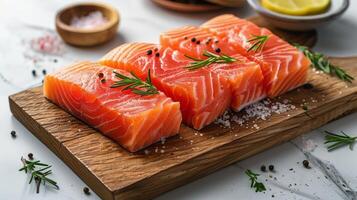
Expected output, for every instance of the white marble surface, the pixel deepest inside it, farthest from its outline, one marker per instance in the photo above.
(142, 21)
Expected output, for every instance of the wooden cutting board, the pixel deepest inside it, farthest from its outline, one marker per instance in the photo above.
(114, 173)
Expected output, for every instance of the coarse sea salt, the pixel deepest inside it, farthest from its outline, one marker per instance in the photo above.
(48, 43)
(258, 111)
(90, 21)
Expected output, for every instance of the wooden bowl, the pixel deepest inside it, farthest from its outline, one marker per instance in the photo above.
(229, 3)
(186, 7)
(87, 36)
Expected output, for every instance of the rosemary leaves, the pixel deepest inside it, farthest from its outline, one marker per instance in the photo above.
(258, 42)
(38, 174)
(211, 58)
(335, 141)
(253, 177)
(321, 63)
(135, 84)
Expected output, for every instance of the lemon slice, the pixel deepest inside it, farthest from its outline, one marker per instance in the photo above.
(297, 7)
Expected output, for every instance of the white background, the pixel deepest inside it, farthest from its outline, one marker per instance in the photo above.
(143, 21)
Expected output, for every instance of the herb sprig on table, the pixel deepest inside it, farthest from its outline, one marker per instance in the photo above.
(258, 42)
(135, 84)
(335, 141)
(321, 63)
(211, 58)
(254, 183)
(39, 173)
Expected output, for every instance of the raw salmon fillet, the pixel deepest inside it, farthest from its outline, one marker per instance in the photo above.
(244, 76)
(284, 67)
(132, 120)
(203, 95)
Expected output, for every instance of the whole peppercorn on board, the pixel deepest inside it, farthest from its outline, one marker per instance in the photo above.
(114, 173)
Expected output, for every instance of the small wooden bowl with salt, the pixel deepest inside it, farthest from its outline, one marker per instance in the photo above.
(87, 24)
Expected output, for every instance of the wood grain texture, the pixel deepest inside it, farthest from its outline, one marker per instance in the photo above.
(114, 173)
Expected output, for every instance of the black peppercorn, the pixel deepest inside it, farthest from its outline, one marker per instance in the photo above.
(13, 134)
(271, 168)
(30, 155)
(198, 42)
(263, 168)
(157, 54)
(100, 75)
(44, 72)
(86, 190)
(306, 164)
(308, 86)
(149, 52)
(34, 73)
(193, 40)
(218, 50)
(103, 80)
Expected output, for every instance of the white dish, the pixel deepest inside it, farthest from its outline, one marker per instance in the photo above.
(301, 23)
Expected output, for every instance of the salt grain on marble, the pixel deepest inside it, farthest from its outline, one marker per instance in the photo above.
(48, 43)
(90, 21)
(309, 145)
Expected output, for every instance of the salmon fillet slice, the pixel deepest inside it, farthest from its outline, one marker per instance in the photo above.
(244, 75)
(132, 120)
(203, 95)
(280, 62)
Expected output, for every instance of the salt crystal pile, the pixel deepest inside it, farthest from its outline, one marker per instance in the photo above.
(258, 111)
(224, 120)
(89, 21)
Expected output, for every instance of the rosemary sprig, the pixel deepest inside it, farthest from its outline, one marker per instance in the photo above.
(336, 141)
(211, 58)
(259, 42)
(38, 175)
(321, 63)
(253, 177)
(135, 84)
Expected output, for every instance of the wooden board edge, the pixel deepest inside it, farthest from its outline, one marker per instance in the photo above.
(188, 172)
(60, 151)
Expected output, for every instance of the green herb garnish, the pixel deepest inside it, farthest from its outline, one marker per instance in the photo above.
(259, 42)
(38, 175)
(211, 58)
(253, 177)
(135, 84)
(336, 141)
(321, 63)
